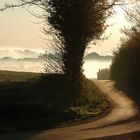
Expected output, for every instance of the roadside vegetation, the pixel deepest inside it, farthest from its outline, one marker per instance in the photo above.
(69, 26)
(125, 66)
(63, 93)
(30, 101)
(103, 74)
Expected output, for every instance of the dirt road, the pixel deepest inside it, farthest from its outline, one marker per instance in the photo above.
(119, 121)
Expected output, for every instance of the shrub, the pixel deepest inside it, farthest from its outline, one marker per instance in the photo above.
(103, 74)
(125, 66)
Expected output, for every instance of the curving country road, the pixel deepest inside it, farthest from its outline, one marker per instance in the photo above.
(115, 123)
(120, 120)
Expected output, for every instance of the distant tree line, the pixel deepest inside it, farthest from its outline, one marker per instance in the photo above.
(103, 74)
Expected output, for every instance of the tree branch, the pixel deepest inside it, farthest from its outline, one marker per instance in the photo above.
(23, 3)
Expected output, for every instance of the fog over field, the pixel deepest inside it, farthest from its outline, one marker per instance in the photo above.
(31, 61)
(15, 53)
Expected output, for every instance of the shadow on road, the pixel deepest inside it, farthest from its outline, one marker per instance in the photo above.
(129, 136)
(133, 93)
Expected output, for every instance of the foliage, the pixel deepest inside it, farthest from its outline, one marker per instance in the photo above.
(53, 62)
(75, 23)
(125, 66)
(36, 104)
(103, 74)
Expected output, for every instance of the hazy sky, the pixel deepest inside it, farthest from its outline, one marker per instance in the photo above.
(17, 30)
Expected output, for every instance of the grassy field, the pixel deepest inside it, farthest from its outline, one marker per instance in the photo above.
(17, 76)
(32, 101)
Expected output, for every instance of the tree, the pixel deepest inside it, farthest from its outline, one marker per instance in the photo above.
(75, 23)
(103, 74)
(125, 66)
(133, 17)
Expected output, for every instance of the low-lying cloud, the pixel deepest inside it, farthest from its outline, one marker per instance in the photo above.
(19, 53)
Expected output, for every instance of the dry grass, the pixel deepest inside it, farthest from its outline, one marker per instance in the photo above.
(31, 101)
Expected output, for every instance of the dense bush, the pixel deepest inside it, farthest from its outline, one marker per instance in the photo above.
(103, 74)
(126, 62)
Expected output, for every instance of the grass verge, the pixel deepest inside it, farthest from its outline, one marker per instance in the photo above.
(30, 101)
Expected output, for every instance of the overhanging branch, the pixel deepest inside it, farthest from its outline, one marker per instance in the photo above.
(23, 3)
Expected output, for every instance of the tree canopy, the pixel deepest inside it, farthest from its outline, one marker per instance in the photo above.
(125, 66)
(75, 23)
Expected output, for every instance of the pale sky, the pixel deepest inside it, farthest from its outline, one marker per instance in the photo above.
(18, 31)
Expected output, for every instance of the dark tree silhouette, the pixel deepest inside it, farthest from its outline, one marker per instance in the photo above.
(76, 23)
(125, 66)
